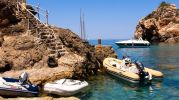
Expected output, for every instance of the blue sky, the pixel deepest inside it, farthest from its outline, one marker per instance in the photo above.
(106, 19)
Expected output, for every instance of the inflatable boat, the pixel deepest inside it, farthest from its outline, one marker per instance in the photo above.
(17, 87)
(134, 73)
(65, 87)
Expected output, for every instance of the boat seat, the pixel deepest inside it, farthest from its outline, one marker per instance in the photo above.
(115, 64)
(68, 82)
(133, 69)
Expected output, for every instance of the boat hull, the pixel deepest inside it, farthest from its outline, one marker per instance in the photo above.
(13, 88)
(16, 93)
(61, 92)
(127, 76)
(132, 45)
(65, 90)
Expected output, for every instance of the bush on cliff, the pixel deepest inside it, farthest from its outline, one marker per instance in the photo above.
(177, 12)
(163, 4)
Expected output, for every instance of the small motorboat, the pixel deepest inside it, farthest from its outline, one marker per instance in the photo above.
(133, 43)
(18, 87)
(136, 73)
(65, 87)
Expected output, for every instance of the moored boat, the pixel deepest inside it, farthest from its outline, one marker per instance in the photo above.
(65, 87)
(12, 87)
(135, 73)
(133, 43)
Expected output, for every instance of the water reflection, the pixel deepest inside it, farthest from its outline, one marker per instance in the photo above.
(162, 57)
(107, 87)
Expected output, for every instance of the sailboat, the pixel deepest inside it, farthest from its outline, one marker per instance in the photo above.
(82, 27)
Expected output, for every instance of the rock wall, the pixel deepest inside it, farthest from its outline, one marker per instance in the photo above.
(20, 50)
(7, 16)
(162, 25)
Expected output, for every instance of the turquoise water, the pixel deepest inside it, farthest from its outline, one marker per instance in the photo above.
(162, 57)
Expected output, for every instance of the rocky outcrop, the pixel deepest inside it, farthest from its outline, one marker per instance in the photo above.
(22, 50)
(6, 13)
(162, 25)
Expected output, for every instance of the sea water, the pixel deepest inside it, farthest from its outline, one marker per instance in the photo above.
(162, 57)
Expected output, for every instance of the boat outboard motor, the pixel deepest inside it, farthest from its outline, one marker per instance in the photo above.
(139, 66)
(23, 78)
(142, 74)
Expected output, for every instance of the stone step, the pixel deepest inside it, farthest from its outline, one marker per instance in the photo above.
(53, 51)
(52, 47)
(50, 40)
(61, 50)
(43, 26)
(22, 17)
(59, 47)
(44, 37)
(40, 25)
(35, 22)
(59, 44)
(51, 44)
(43, 40)
(46, 34)
(44, 29)
(30, 18)
(42, 33)
(50, 36)
(61, 54)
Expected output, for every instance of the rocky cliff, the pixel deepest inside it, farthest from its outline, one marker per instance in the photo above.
(46, 52)
(162, 25)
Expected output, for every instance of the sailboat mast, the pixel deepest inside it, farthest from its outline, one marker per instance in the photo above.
(84, 33)
(81, 24)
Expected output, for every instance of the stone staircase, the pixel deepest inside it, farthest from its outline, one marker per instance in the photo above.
(45, 33)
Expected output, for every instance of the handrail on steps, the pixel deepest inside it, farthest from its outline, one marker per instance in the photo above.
(40, 22)
(37, 19)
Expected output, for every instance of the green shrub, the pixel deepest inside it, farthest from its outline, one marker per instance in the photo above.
(163, 4)
(176, 22)
(177, 12)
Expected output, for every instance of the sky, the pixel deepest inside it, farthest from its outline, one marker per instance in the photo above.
(106, 19)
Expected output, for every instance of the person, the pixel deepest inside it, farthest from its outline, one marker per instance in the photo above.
(126, 63)
(128, 66)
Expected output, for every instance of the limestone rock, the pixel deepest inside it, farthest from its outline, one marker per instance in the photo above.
(6, 14)
(162, 25)
(24, 49)
(41, 76)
